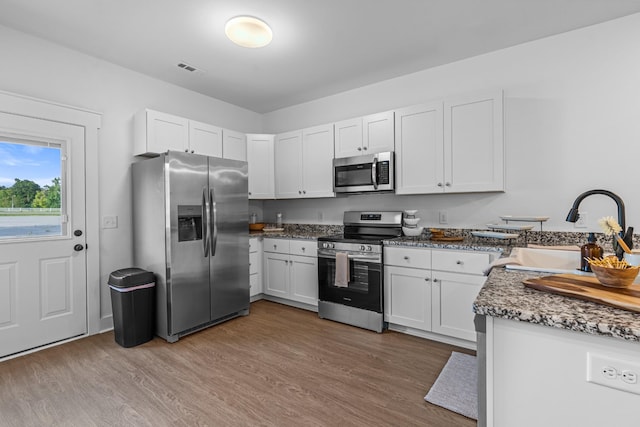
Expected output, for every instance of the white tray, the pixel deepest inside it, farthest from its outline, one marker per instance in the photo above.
(524, 218)
(494, 234)
(510, 227)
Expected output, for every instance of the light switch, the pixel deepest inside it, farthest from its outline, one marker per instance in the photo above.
(110, 221)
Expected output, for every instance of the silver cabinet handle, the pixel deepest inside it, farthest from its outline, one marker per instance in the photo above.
(364, 148)
(359, 148)
(299, 192)
(435, 280)
(439, 184)
(459, 262)
(406, 258)
(186, 150)
(303, 249)
(304, 191)
(427, 279)
(193, 151)
(448, 184)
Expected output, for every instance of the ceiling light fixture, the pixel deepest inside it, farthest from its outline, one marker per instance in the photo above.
(248, 31)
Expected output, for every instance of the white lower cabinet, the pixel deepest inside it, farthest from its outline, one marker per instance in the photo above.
(433, 290)
(291, 270)
(255, 266)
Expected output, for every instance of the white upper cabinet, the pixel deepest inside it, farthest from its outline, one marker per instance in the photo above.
(304, 163)
(474, 143)
(452, 146)
(377, 133)
(348, 138)
(260, 157)
(156, 132)
(288, 167)
(419, 149)
(205, 139)
(234, 145)
(317, 161)
(364, 135)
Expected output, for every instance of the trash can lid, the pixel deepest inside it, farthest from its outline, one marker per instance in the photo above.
(129, 277)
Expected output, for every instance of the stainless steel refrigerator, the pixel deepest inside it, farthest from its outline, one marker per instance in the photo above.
(190, 215)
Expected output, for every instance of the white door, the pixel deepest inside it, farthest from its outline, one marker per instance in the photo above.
(348, 138)
(42, 236)
(234, 145)
(407, 297)
(276, 274)
(377, 133)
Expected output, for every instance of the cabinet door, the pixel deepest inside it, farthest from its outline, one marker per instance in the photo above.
(260, 157)
(205, 139)
(419, 149)
(474, 145)
(407, 297)
(317, 162)
(377, 133)
(348, 138)
(288, 170)
(165, 132)
(234, 145)
(303, 282)
(276, 274)
(453, 296)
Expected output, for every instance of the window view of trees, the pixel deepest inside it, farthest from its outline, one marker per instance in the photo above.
(27, 194)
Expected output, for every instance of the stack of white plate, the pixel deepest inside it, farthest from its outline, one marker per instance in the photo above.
(410, 224)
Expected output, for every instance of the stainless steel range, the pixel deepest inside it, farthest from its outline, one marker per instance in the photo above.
(350, 273)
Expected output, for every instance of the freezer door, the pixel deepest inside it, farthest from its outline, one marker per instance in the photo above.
(188, 267)
(229, 237)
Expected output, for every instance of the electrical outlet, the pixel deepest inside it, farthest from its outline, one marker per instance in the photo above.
(614, 373)
(110, 221)
(443, 217)
(582, 220)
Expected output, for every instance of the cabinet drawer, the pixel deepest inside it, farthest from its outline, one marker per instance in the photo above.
(253, 244)
(461, 262)
(276, 245)
(253, 262)
(303, 247)
(403, 257)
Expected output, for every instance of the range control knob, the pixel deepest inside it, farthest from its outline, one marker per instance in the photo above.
(363, 248)
(369, 248)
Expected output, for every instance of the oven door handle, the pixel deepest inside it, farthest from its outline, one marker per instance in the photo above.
(362, 258)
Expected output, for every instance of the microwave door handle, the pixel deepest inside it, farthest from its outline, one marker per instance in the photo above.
(205, 229)
(374, 172)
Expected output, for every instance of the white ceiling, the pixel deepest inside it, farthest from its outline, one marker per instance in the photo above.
(320, 47)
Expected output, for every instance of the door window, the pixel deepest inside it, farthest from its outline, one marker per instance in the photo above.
(32, 184)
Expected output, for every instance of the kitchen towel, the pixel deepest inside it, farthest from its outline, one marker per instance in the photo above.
(342, 270)
(456, 388)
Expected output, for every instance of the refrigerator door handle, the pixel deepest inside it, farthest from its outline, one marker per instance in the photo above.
(205, 228)
(214, 223)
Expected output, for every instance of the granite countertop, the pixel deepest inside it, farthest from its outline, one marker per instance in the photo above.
(504, 296)
(467, 244)
(299, 231)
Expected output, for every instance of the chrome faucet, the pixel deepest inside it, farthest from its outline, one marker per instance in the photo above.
(626, 236)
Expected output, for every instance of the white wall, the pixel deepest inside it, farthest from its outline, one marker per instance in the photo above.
(572, 123)
(34, 67)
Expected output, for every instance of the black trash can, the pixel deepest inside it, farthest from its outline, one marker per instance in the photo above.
(133, 301)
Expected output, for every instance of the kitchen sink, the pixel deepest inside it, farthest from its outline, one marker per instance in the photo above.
(546, 260)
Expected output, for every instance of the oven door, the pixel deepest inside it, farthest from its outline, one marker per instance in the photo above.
(365, 280)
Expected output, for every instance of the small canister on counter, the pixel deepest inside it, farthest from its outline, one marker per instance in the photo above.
(279, 220)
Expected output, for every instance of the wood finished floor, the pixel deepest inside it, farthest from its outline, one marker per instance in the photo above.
(279, 366)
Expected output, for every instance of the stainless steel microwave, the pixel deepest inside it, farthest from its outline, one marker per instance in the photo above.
(361, 174)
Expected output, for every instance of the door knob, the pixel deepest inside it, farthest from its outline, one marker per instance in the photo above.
(78, 247)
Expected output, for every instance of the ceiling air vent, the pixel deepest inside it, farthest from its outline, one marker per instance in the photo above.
(188, 67)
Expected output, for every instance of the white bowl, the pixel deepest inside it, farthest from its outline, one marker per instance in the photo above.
(412, 232)
(411, 212)
(411, 221)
